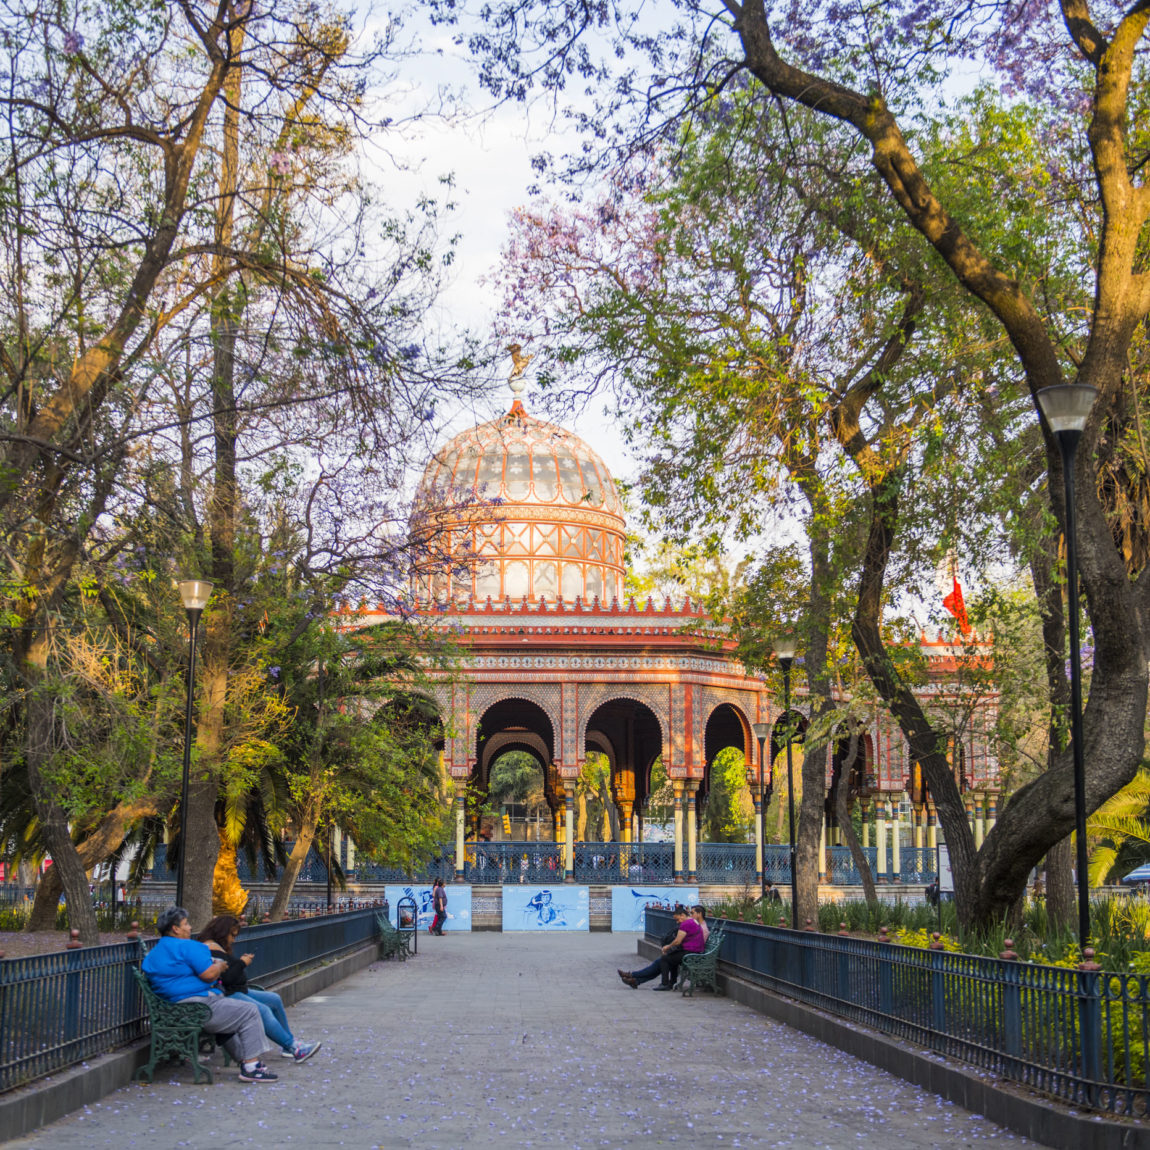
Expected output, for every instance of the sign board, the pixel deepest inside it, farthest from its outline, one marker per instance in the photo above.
(945, 874)
(458, 904)
(546, 908)
(629, 902)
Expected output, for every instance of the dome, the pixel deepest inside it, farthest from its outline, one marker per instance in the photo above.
(535, 509)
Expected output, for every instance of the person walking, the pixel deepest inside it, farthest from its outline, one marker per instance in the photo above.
(439, 905)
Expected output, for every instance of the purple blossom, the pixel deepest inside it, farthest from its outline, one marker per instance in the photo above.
(73, 43)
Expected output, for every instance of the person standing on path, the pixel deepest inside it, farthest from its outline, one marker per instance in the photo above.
(439, 905)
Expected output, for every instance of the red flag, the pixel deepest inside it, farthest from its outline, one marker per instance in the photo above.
(954, 604)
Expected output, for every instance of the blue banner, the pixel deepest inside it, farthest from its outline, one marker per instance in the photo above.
(559, 907)
(458, 904)
(629, 902)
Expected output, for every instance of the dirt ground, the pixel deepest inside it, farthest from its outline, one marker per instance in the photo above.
(20, 944)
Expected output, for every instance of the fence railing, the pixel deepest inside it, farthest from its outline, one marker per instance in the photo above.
(499, 862)
(60, 1008)
(1080, 1036)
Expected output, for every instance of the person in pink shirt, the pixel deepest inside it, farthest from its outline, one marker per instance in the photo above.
(700, 916)
(688, 940)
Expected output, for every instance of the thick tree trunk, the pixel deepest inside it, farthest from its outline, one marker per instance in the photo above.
(48, 891)
(203, 849)
(842, 813)
(1061, 904)
(809, 832)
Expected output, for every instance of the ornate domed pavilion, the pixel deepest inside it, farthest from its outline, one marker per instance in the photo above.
(557, 665)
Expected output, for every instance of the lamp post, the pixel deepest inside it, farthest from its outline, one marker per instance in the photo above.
(785, 648)
(762, 733)
(1066, 409)
(195, 594)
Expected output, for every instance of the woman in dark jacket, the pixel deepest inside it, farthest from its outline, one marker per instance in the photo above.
(219, 936)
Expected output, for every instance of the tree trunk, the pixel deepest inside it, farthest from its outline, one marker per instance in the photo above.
(842, 813)
(48, 891)
(203, 848)
(303, 841)
(1061, 904)
(809, 832)
(610, 813)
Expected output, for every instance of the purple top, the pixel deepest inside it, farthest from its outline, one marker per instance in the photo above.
(693, 942)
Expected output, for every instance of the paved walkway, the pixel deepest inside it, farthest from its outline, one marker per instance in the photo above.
(490, 1040)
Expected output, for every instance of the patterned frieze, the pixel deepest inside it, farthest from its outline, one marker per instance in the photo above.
(657, 698)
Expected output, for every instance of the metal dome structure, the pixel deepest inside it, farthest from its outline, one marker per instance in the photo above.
(537, 508)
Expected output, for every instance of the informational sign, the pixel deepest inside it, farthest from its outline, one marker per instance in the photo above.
(458, 905)
(629, 902)
(547, 908)
(945, 874)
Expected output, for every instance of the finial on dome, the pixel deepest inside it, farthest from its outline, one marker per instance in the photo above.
(515, 380)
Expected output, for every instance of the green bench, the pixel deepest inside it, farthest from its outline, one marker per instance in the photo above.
(176, 1030)
(702, 969)
(393, 943)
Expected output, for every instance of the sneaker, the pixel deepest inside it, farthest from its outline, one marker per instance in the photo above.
(303, 1051)
(664, 986)
(259, 1074)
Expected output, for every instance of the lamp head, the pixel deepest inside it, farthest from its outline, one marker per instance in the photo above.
(195, 593)
(762, 731)
(785, 647)
(1067, 406)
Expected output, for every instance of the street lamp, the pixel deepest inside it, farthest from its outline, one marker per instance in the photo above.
(785, 648)
(195, 594)
(762, 733)
(1066, 409)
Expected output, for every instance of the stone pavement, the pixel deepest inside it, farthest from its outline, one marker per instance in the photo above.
(513, 1040)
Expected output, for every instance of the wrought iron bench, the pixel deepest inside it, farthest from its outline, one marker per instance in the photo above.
(702, 969)
(393, 942)
(176, 1028)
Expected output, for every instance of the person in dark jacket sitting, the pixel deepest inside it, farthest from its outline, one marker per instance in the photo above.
(220, 936)
(180, 969)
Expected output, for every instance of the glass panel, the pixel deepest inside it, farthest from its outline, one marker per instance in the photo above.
(465, 473)
(515, 579)
(591, 482)
(546, 540)
(487, 539)
(490, 474)
(545, 477)
(518, 475)
(487, 581)
(594, 582)
(572, 541)
(594, 544)
(572, 481)
(546, 580)
(572, 580)
(515, 539)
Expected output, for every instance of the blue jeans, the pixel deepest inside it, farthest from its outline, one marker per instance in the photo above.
(272, 1014)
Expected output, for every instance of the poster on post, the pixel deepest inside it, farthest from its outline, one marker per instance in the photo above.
(945, 874)
(547, 908)
(458, 904)
(629, 902)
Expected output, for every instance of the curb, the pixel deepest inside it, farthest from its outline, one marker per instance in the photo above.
(29, 1107)
(1047, 1123)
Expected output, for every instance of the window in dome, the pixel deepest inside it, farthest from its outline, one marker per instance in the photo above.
(516, 539)
(487, 539)
(594, 544)
(572, 481)
(546, 478)
(515, 579)
(591, 482)
(594, 582)
(518, 475)
(487, 581)
(546, 540)
(490, 474)
(446, 476)
(572, 580)
(546, 581)
(573, 542)
(465, 472)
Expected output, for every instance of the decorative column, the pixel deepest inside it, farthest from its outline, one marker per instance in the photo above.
(865, 803)
(918, 817)
(880, 839)
(757, 798)
(692, 832)
(459, 828)
(569, 837)
(968, 802)
(931, 826)
(823, 849)
(678, 873)
(979, 823)
(626, 811)
(895, 844)
(991, 812)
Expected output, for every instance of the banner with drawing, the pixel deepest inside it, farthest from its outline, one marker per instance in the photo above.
(629, 902)
(458, 904)
(558, 907)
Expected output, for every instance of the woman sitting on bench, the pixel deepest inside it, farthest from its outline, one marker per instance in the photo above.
(180, 969)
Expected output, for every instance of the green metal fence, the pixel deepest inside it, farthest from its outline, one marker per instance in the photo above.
(1080, 1036)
